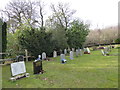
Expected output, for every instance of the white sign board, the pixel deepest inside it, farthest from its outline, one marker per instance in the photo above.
(18, 68)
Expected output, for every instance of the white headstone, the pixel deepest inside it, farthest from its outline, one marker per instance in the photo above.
(71, 55)
(103, 53)
(65, 51)
(43, 55)
(88, 50)
(73, 49)
(80, 52)
(18, 68)
(77, 52)
(62, 56)
(54, 54)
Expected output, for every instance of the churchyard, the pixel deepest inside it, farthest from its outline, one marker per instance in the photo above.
(92, 70)
(41, 48)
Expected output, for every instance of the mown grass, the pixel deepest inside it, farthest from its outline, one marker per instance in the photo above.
(87, 71)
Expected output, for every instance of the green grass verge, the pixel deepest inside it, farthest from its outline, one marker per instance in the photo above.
(87, 71)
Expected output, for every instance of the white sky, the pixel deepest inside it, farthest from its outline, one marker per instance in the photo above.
(99, 13)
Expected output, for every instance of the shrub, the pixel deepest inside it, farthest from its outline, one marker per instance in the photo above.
(36, 41)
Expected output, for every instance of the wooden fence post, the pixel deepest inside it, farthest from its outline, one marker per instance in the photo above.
(26, 54)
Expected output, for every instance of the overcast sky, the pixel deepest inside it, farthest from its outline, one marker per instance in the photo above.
(99, 13)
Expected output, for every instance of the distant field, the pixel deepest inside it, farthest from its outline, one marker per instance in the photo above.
(87, 71)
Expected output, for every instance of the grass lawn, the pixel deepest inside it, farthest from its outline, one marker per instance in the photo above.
(87, 71)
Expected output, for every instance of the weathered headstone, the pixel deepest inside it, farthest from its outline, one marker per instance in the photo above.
(71, 55)
(65, 51)
(73, 49)
(60, 51)
(37, 67)
(87, 51)
(20, 58)
(62, 56)
(54, 54)
(18, 68)
(81, 52)
(77, 52)
(103, 53)
(63, 60)
(43, 56)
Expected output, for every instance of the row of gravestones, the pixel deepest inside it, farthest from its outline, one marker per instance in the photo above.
(18, 69)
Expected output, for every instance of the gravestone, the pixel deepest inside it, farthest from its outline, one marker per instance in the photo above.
(103, 53)
(37, 67)
(65, 51)
(18, 68)
(71, 55)
(73, 49)
(60, 51)
(86, 50)
(54, 54)
(43, 56)
(77, 52)
(81, 52)
(106, 50)
(20, 58)
(63, 60)
(62, 56)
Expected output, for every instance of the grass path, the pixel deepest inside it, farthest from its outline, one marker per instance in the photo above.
(87, 71)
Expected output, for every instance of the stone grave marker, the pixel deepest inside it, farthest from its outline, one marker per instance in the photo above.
(87, 51)
(81, 52)
(62, 56)
(60, 51)
(71, 55)
(65, 51)
(103, 53)
(20, 58)
(43, 56)
(37, 67)
(73, 49)
(54, 54)
(18, 68)
(77, 52)
(63, 60)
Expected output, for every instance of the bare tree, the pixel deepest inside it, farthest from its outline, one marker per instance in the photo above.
(62, 14)
(24, 13)
(103, 36)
